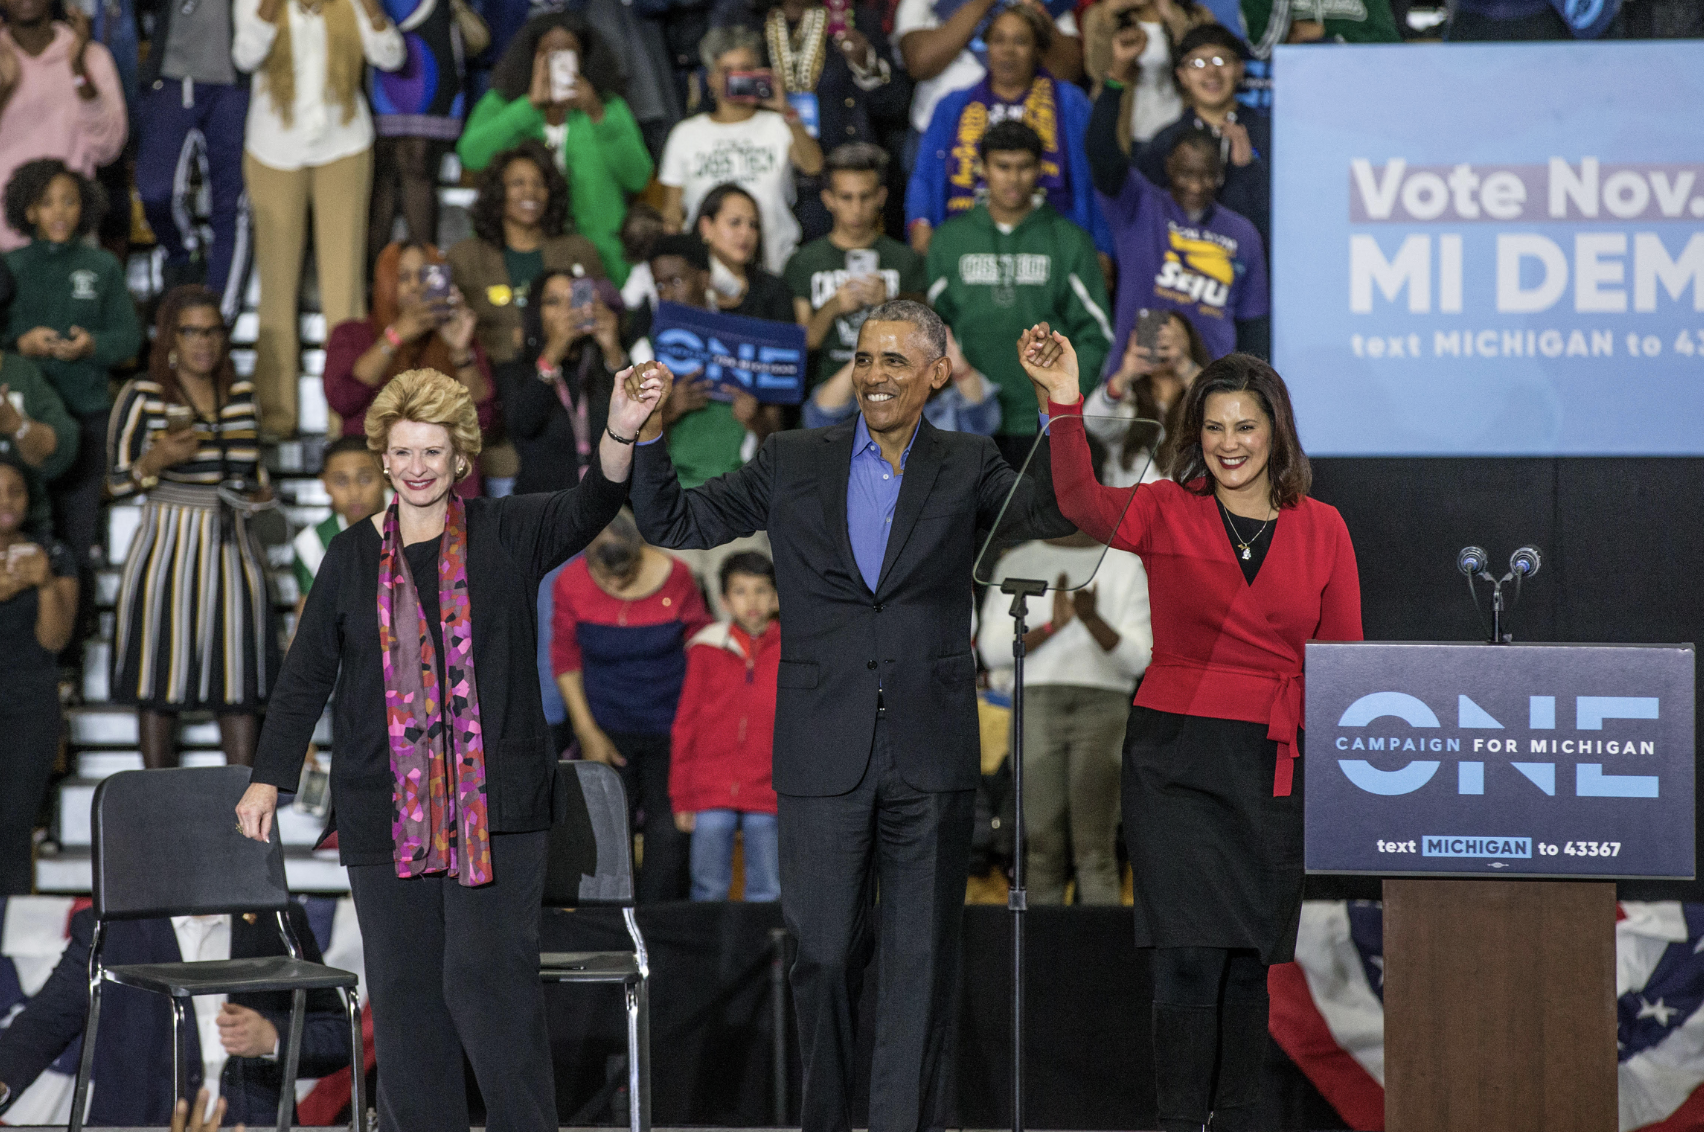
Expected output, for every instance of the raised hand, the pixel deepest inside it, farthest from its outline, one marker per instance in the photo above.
(1051, 363)
(1128, 44)
(637, 393)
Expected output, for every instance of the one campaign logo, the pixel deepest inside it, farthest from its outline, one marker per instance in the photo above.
(1589, 738)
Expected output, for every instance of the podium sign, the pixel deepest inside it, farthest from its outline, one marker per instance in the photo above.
(1500, 760)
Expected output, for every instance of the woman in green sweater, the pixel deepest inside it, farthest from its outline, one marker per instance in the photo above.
(72, 316)
(591, 132)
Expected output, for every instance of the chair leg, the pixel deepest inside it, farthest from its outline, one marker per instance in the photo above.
(639, 1055)
(85, 1063)
(357, 1064)
(179, 1009)
(292, 1054)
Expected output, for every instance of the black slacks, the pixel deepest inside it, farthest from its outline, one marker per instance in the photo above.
(837, 853)
(665, 870)
(30, 721)
(451, 968)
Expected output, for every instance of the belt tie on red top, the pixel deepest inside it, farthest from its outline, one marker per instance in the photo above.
(437, 826)
(1283, 713)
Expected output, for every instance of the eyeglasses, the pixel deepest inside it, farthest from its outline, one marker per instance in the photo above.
(202, 333)
(1202, 62)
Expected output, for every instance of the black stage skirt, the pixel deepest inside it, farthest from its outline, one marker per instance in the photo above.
(1217, 860)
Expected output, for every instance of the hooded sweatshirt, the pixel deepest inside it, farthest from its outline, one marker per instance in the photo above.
(724, 730)
(72, 284)
(992, 285)
(45, 117)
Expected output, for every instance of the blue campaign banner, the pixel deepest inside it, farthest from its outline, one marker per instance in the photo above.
(732, 352)
(1490, 249)
(1499, 760)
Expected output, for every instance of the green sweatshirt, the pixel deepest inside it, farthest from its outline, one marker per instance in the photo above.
(605, 162)
(45, 410)
(990, 286)
(66, 285)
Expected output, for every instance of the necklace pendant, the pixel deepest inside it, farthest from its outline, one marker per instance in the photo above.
(1245, 554)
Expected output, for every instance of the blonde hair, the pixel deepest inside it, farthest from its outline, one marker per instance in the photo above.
(426, 396)
(344, 65)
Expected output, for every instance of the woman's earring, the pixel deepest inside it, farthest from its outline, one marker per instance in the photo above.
(461, 469)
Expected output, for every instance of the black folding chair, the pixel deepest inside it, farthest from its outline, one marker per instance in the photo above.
(606, 883)
(166, 843)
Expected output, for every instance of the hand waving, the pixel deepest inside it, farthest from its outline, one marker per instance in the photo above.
(1051, 363)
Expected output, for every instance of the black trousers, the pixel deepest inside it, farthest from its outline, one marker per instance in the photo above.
(665, 870)
(76, 499)
(30, 721)
(837, 853)
(451, 968)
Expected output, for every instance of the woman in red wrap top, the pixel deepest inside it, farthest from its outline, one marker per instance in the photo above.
(1243, 570)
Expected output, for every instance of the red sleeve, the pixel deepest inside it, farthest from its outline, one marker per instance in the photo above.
(694, 614)
(344, 392)
(1106, 514)
(564, 621)
(685, 731)
(1340, 602)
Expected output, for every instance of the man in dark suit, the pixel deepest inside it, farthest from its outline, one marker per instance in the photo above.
(875, 525)
(133, 1049)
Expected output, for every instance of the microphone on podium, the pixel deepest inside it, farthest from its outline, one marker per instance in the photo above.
(1473, 559)
(1524, 562)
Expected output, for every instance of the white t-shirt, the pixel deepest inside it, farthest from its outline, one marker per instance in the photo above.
(1071, 656)
(962, 73)
(1157, 103)
(755, 154)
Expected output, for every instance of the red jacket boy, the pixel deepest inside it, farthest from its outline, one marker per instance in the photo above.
(724, 729)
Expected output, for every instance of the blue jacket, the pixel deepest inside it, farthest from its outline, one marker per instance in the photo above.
(133, 1052)
(926, 194)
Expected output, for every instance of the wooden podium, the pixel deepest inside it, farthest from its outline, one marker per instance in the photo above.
(1499, 1006)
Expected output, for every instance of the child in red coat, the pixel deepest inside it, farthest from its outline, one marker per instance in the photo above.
(724, 731)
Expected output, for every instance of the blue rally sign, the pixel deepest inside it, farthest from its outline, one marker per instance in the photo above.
(1510, 760)
(732, 352)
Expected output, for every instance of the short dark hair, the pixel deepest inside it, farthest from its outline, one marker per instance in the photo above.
(1010, 136)
(918, 315)
(29, 184)
(752, 563)
(344, 445)
(512, 76)
(640, 230)
(487, 211)
(1210, 35)
(1202, 140)
(1287, 467)
(855, 157)
(686, 245)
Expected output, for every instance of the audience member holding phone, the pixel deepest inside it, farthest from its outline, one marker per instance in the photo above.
(752, 137)
(1164, 354)
(561, 84)
(418, 320)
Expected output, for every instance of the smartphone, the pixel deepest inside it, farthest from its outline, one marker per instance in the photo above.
(1148, 325)
(862, 262)
(17, 400)
(436, 277)
(751, 87)
(583, 294)
(19, 550)
(179, 417)
(564, 74)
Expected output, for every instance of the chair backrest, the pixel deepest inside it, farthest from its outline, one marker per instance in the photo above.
(591, 849)
(166, 843)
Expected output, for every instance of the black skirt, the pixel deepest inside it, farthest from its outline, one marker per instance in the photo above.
(1217, 860)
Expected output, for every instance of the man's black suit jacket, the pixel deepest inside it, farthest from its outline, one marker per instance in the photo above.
(133, 1047)
(839, 641)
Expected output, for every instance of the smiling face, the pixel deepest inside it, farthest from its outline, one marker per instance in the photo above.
(732, 233)
(893, 374)
(56, 213)
(421, 462)
(199, 341)
(14, 500)
(1209, 76)
(1012, 52)
(678, 281)
(1236, 438)
(525, 193)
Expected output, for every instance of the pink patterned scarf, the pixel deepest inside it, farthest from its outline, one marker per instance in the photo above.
(435, 828)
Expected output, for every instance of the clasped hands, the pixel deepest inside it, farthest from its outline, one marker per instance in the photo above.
(1051, 363)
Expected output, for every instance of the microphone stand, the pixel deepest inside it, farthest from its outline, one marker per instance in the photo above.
(1021, 589)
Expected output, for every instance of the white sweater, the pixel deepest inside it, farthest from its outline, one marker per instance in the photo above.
(1072, 656)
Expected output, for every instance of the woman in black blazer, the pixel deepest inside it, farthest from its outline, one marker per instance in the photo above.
(442, 802)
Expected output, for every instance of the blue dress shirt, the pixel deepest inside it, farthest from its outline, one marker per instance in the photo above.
(872, 492)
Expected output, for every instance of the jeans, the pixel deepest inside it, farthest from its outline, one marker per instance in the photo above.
(713, 855)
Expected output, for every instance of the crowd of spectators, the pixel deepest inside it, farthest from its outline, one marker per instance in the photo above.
(1103, 166)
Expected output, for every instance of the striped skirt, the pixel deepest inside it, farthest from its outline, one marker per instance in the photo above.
(196, 626)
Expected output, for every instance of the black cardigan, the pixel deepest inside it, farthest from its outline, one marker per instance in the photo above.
(512, 544)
